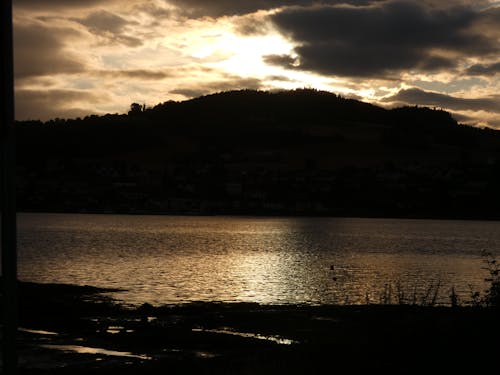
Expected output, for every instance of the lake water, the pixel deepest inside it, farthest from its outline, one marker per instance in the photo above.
(178, 259)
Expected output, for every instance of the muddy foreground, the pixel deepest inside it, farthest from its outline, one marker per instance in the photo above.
(76, 330)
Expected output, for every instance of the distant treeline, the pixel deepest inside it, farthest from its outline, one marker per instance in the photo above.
(301, 152)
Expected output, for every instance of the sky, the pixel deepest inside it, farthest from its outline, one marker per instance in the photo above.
(80, 57)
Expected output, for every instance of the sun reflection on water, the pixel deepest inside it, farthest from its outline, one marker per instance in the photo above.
(162, 259)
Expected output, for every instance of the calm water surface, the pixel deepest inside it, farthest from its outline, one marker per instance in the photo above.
(167, 259)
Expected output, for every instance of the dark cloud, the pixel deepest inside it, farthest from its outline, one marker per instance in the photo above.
(383, 39)
(52, 4)
(217, 8)
(278, 78)
(47, 104)
(206, 88)
(103, 21)
(141, 74)
(109, 26)
(39, 50)
(252, 25)
(489, 19)
(483, 69)
(281, 60)
(435, 63)
(420, 97)
(154, 10)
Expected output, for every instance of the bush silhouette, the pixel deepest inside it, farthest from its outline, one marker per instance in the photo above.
(492, 294)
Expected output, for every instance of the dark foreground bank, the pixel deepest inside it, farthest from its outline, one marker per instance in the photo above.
(76, 330)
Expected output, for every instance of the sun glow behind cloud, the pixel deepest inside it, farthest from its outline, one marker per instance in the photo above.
(99, 56)
(247, 53)
(178, 59)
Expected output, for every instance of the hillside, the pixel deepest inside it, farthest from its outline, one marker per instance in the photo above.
(252, 152)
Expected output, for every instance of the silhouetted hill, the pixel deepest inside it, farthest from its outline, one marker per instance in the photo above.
(292, 152)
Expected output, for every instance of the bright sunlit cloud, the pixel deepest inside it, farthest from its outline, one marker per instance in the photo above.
(116, 52)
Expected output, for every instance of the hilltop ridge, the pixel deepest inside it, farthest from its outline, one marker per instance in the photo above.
(255, 152)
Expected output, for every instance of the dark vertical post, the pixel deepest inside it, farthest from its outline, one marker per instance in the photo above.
(7, 193)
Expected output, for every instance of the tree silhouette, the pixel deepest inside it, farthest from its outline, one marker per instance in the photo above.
(135, 109)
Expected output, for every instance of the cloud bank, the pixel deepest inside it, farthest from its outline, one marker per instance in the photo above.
(426, 52)
(385, 39)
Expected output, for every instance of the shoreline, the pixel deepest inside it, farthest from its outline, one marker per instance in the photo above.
(255, 215)
(69, 329)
